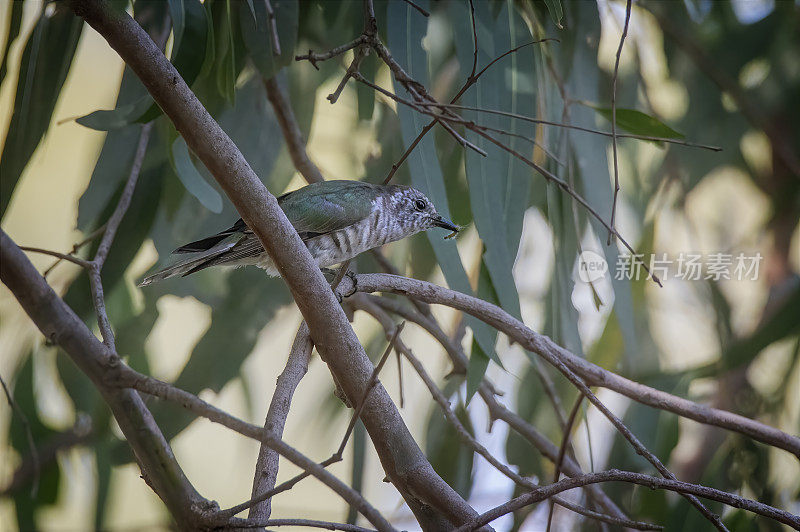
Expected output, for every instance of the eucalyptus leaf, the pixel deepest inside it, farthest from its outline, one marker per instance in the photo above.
(190, 41)
(449, 457)
(405, 40)
(638, 123)
(257, 35)
(191, 178)
(44, 66)
(14, 14)
(556, 12)
(498, 183)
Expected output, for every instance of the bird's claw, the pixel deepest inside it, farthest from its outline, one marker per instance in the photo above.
(352, 276)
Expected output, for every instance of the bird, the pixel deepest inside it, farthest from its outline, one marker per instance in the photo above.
(336, 219)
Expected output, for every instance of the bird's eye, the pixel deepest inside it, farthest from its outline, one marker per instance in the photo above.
(420, 205)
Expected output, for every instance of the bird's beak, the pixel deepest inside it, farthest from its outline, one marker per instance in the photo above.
(444, 223)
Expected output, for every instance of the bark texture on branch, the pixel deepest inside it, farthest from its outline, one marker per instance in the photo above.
(63, 327)
(592, 374)
(433, 501)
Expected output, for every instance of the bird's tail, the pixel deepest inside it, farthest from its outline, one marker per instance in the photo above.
(181, 268)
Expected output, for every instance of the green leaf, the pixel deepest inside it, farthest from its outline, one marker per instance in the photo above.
(44, 66)
(639, 123)
(14, 15)
(191, 178)
(577, 58)
(404, 38)
(116, 157)
(556, 12)
(225, 51)
(479, 359)
(365, 94)
(49, 477)
(132, 232)
(190, 29)
(499, 183)
(449, 457)
(110, 120)
(252, 300)
(258, 37)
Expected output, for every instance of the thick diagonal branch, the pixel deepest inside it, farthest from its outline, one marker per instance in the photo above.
(61, 326)
(433, 502)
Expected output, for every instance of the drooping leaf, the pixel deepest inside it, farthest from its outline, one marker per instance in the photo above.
(452, 460)
(190, 28)
(479, 359)
(191, 178)
(257, 34)
(556, 12)
(251, 301)
(404, 37)
(44, 66)
(225, 53)
(14, 13)
(498, 183)
(577, 58)
(49, 476)
(639, 123)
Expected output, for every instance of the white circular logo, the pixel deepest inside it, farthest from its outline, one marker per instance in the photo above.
(591, 266)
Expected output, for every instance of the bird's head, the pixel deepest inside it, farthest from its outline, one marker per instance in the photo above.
(415, 212)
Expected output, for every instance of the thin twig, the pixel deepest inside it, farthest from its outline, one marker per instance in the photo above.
(614, 118)
(422, 11)
(291, 132)
(28, 434)
(559, 364)
(273, 28)
(562, 450)
(63, 256)
(375, 306)
(267, 462)
(306, 523)
(126, 377)
(358, 56)
(335, 457)
(470, 440)
(125, 198)
(566, 187)
(76, 247)
(614, 475)
(314, 58)
(517, 116)
(96, 265)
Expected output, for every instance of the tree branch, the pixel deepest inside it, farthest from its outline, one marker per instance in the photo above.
(429, 497)
(267, 463)
(614, 118)
(392, 332)
(62, 327)
(592, 374)
(291, 132)
(614, 475)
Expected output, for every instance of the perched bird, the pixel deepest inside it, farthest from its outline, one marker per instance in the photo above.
(337, 220)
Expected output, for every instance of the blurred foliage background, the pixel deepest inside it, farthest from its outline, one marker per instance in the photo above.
(724, 73)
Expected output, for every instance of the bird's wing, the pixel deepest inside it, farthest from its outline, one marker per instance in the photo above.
(313, 210)
(325, 207)
(207, 243)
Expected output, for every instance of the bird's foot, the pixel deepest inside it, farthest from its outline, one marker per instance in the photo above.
(329, 273)
(352, 276)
